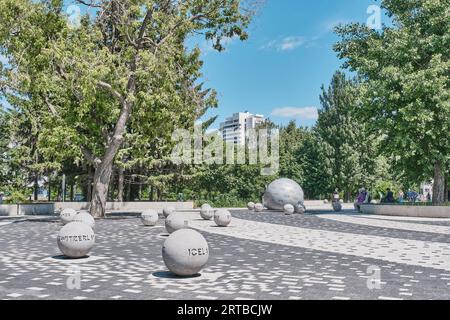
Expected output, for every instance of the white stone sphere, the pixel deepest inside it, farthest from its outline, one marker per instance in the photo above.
(337, 206)
(167, 211)
(76, 239)
(149, 218)
(289, 209)
(222, 217)
(67, 215)
(85, 217)
(325, 201)
(300, 208)
(206, 212)
(176, 221)
(205, 205)
(251, 206)
(259, 207)
(281, 192)
(374, 202)
(341, 200)
(185, 252)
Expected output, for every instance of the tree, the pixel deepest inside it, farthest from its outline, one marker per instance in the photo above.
(125, 71)
(291, 138)
(406, 85)
(348, 148)
(315, 167)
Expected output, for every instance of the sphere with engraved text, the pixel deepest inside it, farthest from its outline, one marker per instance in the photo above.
(149, 218)
(283, 191)
(67, 215)
(176, 221)
(185, 252)
(222, 218)
(76, 239)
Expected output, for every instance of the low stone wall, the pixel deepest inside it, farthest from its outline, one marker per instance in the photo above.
(27, 209)
(126, 206)
(8, 209)
(407, 211)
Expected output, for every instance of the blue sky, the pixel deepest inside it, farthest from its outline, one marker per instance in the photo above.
(279, 71)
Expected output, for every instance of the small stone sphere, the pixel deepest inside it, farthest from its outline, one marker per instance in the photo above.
(289, 209)
(85, 217)
(222, 217)
(337, 206)
(373, 202)
(167, 211)
(207, 212)
(341, 201)
(149, 218)
(67, 215)
(251, 206)
(76, 239)
(176, 221)
(185, 252)
(259, 207)
(300, 209)
(325, 201)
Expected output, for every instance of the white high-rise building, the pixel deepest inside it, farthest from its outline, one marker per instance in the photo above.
(234, 129)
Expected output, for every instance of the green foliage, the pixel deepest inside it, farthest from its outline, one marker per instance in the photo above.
(405, 92)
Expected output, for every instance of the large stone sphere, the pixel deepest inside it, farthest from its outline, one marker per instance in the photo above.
(149, 218)
(337, 206)
(289, 209)
(259, 207)
(206, 212)
(85, 217)
(300, 208)
(222, 217)
(76, 239)
(281, 192)
(185, 252)
(251, 206)
(67, 215)
(176, 221)
(167, 211)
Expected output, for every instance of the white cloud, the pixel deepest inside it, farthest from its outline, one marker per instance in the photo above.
(285, 44)
(290, 43)
(308, 113)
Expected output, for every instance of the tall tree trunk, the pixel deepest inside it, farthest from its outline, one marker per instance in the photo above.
(120, 185)
(439, 183)
(36, 187)
(72, 190)
(49, 189)
(89, 186)
(446, 192)
(102, 178)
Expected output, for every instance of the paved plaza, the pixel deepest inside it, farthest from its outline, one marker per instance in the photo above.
(320, 255)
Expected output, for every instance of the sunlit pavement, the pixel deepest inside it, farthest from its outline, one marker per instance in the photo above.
(321, 255)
